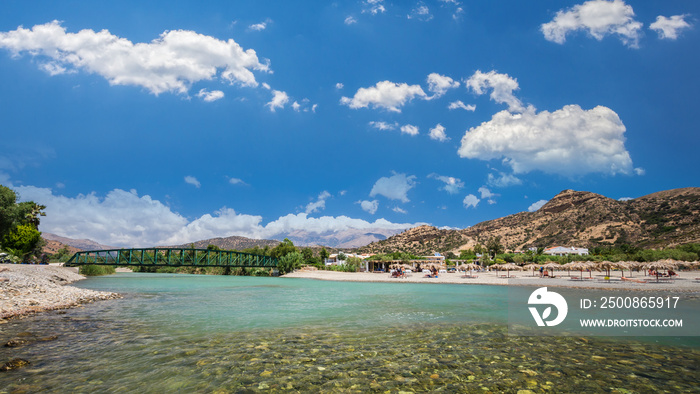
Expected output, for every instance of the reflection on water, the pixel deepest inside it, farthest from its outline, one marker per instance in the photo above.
(143, 343)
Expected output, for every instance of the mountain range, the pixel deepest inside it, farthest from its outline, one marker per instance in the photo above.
(571, 218)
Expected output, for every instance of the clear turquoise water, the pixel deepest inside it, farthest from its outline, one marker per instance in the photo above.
(190, 333)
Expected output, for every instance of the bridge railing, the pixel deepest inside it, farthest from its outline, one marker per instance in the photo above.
(171, 257)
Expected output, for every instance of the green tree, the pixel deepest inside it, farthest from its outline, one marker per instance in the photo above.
(342, 256)
(493, 246)
(22, 239)
(284, 248)
(213, 247)
(323, 254)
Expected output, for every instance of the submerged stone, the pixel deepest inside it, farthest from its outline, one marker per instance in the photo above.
(14, 364)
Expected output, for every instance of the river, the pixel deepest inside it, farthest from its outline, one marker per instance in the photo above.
(192, 333)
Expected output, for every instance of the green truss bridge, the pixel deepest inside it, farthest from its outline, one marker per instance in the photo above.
(171, 257)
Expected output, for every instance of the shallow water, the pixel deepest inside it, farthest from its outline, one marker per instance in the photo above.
(181, 333)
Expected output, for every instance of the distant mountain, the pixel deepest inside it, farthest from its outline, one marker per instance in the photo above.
(81, 244)
(571, 218)
(350, 238)
(231, 243)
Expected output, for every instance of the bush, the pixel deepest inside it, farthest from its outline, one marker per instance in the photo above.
(290, 262)
(96, 270)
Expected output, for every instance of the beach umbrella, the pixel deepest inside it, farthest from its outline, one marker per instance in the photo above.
(568, 267)
(606, 266)
(508, 267)
(552, 266)
(667, 264)
(468, 267)
(534, 267)
(580, 266)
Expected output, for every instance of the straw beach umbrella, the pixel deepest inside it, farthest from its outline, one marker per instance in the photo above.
(552, 267)
(508, 267)
(582, 265)
(667, 264)
(532, 266)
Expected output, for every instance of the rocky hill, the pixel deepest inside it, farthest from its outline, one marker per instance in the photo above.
(571, 218)
(230, 243)
(79, 244)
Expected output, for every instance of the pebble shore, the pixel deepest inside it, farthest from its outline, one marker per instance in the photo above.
(29, 289)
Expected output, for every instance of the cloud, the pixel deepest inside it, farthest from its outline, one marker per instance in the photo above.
(440, 84)
(170, 63)
(388, 95)
(535, 206)
(192, 181)
(384, 125)
(409, 129)
(399, 210)
(373, 7)
(502, 84)
(452, 185)
(210, 96)
(260, 26)
(470, 201)
(125, 219)
(421, 12)
(319, 204)
(369, 206)
(279, 100)
(502, 180)
(236, 181)
(570, 141)
(350, 20)
(438, 133)
(339, 85)
(669, 28)
(597, 17)
(625, 199)
(395, 187)
(460, 104)
(486, 194)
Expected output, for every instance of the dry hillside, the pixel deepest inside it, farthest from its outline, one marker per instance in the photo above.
(571, 218)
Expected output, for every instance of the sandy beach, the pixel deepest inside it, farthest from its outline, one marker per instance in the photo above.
(28, 289)
(686, 281)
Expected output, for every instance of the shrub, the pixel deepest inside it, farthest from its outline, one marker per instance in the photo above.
(96, 270)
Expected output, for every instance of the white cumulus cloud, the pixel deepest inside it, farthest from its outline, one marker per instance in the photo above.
(388, 95)
(597, 17)
(125, 219)
(170, 63)
(488, 195)
(210, 96)
(452, 185)
(192, 181)
(503, 180)
(440, 84)
(570, 141)
(502, 86)
(438, 133)
(409, 129)
(669, 28)
(459, 104)
(369, 206)
(395, 187)
(470, 201)
(319, 204)
(279, 100)
(383, 125)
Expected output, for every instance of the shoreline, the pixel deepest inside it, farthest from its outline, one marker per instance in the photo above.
(29, 289)
(685, 283)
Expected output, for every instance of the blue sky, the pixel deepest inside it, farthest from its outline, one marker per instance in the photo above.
(167, 122)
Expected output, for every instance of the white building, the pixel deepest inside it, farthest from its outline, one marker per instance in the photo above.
(563, 251)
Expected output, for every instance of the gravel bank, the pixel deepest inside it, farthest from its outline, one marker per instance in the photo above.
(27, 289)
